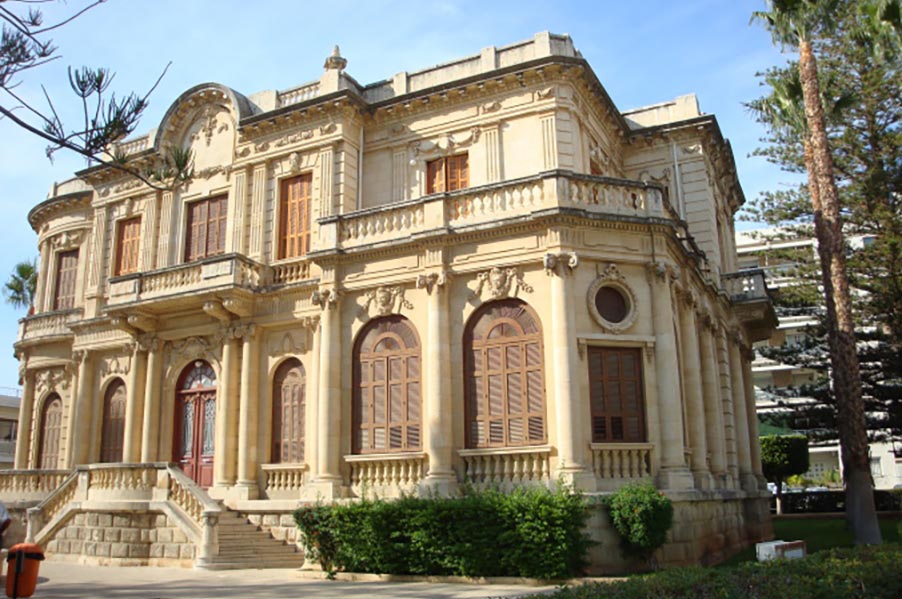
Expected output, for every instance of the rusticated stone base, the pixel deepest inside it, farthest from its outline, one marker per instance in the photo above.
(708, 528)
(122, 539)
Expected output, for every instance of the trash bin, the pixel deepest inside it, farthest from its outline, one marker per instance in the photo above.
(22, 572)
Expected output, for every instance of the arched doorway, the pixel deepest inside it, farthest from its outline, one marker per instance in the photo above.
(51, 425)
(113, 434)
(288, 406)
(195, 421)
(386, 400)
(504, 369)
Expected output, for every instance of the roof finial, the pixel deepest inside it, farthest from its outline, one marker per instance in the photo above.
(335, 61)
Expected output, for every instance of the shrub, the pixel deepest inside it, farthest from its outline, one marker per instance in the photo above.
(642, 516)
(533, 533)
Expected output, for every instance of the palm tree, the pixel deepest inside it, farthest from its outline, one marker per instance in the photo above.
(797, 23)
(19, 289)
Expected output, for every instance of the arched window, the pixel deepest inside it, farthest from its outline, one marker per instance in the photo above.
(505, 386)
(288, 405)
(195, 422)
(386, 401)
(111, 439)
(51, 425)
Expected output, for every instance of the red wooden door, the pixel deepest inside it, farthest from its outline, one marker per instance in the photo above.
(195, 423)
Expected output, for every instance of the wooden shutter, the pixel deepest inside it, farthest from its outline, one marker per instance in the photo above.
(294, 217)
(288, 408)
(615, 392)
(128, 243)
(51, 425)
(386, 403)
(66, 278)
(113, 434)
(505, 404)
(435, 176)
(206, 228)
(458, 176)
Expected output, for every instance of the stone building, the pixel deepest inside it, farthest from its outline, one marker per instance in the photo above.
(482, 272)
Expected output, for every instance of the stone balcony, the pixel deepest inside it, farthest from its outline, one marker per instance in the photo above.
(220, 285)
(48, 325)
(747, 289)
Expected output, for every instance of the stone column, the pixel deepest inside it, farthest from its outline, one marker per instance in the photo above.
(713, 404)
(224, 442)
(743, 441)
(692, 388)
(436, 368)
(572, 410)
(328, 431)
(673, 474)
(26, 414)
(153, 398)
(134, 405)
(247, 415)
(752, 418)
(41, 296)
(81, 426)
(729, 412)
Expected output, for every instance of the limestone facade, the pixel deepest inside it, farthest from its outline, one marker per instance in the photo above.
(479, 273)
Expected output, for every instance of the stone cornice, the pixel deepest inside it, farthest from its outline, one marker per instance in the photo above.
(48, 208)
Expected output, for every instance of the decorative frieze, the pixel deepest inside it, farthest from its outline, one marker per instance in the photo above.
(501, 282)
(386, 300)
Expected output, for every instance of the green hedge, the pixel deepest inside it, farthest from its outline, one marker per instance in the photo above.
(534, 533)
(862, 572)
(642, 516)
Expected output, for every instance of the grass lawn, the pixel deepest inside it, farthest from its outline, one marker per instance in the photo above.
(819, 533)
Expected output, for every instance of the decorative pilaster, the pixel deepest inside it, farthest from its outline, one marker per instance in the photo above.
(153, 399)
(225, 441)
(328, 431)
(164, 254)
(729, 412)
(96, 262)
(399, 187)
(82, 417)
(714, 427)
(549, 142)
(752, 419)
(134, 405)
(247, 414)
(692, 392)
(238, 205)
(41, 296)
(492, 145)
(26, 415)
(149, 237)
(437, 366)
(326, 182)
(743, 441)
(571, 409)
(673, 474)
(258, 202)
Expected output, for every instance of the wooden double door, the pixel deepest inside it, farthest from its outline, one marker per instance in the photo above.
(195, 426)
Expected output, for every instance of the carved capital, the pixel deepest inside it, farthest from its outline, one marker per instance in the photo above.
(434, 281)
(326, 298)
(561, 264)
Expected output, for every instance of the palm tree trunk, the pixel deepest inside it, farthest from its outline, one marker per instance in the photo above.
(861, 513)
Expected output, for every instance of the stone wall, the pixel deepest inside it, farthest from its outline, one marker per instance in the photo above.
(122, 539)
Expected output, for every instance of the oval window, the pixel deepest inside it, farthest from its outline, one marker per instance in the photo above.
(611, 304)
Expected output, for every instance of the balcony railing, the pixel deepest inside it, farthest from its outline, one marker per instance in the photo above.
(48, 324)
(299, 94)
(284, 481)
(745, 285)
(506, 467)
(229, 271)
(386, 474)
(617, 463)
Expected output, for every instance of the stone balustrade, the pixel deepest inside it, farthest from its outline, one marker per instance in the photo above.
(286, 273)
(372, 226)
(298, 94)
(29, 485)
(132, 146)
(386, 474)
(48, 324)
(617, 463)
(493, 202)
(284, 481)
(745, 285)
(51, 506)
(507, 467)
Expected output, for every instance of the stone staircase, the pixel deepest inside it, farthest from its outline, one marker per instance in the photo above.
(244, 545)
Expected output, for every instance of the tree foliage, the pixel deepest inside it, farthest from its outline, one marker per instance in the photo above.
(783, 456)
(20, 287)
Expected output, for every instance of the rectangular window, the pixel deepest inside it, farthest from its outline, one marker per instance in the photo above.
(447, 174)
(294, 217)
(66, 277)
(128, 242)
(615, 392)
(206, 230)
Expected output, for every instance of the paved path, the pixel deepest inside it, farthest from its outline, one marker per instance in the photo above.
(63, 580)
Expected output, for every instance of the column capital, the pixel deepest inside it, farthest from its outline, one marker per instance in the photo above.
(561, 264)
(433, 281)
(326, 298)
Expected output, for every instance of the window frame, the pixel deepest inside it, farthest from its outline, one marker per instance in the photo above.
(65, 302)
(638, 379)
(304, 235)
(120, 267)
(443, 166)
(222, 219)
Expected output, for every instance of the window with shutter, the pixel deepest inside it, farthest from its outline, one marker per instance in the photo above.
(206, 228)
(128, 243)
(447, 174)
(51, 425)
(113, 434)
(66, 278)
(288, 405)
(294, 217)
(386, 401)
(505, 391)
(615, 391)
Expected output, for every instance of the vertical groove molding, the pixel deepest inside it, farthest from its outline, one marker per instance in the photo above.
(255, 247)
(95, 264)
(238, 208)
(326, 180)
(399, 187)
(149, 235)
(492, 155)
(549, 143)
(163, 253)
(41, 295)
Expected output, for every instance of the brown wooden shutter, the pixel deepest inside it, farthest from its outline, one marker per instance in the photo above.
(458, 176)
(206, 228)
(289, 405)
(51, 426)
(66, 279)
(435, 176)
(128, 243)
(113, 433)
(615, 395)
(294, 221)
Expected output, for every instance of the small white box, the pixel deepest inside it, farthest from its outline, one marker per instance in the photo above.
(780, 549)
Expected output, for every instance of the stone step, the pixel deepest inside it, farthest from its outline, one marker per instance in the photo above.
(244, 545)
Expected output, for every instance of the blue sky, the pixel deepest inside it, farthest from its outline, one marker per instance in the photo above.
(644, 52)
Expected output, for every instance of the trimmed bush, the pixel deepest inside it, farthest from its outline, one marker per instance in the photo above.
(642, 516)
(874, 572)
(533, 533)
(783, 456)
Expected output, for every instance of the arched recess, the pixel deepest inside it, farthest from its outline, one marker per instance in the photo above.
(386, 403)
(195, 422)
(504, 376)
(289, 406)
(51, 428)
(112, 434)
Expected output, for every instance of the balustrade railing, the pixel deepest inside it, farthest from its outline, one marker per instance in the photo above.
(377, 225)
(745, 285)
(29, 485)
(506, 467)
(133, 146)
(48, 324)
(386, 475)
(298, 94)
(285, 273)
(622, 462)
(493, 202)
(284, 481)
